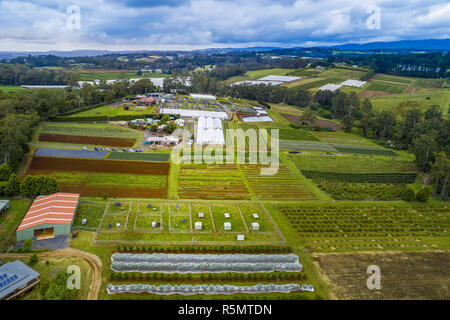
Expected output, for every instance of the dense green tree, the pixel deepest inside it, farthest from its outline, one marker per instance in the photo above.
(12, 187)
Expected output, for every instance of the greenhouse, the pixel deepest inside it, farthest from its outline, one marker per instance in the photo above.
(201, 289)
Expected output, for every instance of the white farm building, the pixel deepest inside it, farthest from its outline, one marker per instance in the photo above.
(209, 131)
(202, 97)
(330, 86)
(353, 83)
(195, 114)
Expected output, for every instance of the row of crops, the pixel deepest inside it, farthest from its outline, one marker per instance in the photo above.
(393, 177)
(368, 227)
(205, 289)
(341, 190)
(185, 263)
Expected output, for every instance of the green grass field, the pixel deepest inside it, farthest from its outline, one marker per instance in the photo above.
(350, 164)
(113, 75)
(253, 75)
(13, 89)
(92, 211)
(91, 129)
(113, 111)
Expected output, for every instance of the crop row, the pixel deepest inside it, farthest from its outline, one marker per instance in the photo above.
(340, 190)
(397, 177)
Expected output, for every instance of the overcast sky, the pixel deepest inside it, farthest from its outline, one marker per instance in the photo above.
(37, 25)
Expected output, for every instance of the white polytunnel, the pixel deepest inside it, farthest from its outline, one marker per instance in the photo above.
(209, 131)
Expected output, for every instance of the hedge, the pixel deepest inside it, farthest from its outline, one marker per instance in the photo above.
(106, 118)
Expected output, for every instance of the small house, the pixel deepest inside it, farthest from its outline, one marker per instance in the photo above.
(255, 226)
(227, 226)
(198, 226)
(4, 205)
(16, 280)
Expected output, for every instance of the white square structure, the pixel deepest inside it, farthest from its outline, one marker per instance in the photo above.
(84, 221)
(255, 226)
(198, 226)
(240, 237)
(154, 224)
(118, 224)
(227, 215)
(227, 226)
(255, 216)
(201, 214)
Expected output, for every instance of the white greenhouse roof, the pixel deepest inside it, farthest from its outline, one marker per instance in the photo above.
(195, 113)
(330, 87)
(353, 83)
(209, 131)
(257, 119)
(202, 96)
(280, 78)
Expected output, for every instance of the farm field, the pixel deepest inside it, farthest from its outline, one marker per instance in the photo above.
(87, 140)
(211, 182)
(348, 164)
(368, 226)
(91, 75)
(91, 129)
(105, 177)
(177, 224)
(284, 185)
(420, 275)
(322, 123)
(342, 138)
(92, 211)
(70, 153)
(296, 134)
(113, 111)
(133, 156)
(253, 75)
(12, 89)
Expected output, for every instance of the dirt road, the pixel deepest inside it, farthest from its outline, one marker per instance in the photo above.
(92, 260)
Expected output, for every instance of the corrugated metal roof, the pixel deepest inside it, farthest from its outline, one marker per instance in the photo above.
(57, 208)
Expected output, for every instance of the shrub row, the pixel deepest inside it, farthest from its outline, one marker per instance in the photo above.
(205, 249)
(106, 118)
(208, 277)
(397, 177)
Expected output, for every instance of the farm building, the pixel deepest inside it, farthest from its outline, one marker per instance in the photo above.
(4, 205)
(209, 131)
(330, 86)
(195, 114)
(144, 102)
(353, 83)
(272, 80)
(155, 140)
(49, 216)
(257, 119)
(16, 279)
(202, 97)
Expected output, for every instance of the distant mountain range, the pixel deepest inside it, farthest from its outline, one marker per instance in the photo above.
(432, 44)
(418, 45)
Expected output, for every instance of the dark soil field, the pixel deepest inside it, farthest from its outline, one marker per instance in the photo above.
(318, 122)
(404, 276)
(103, 166)
(79, 168)
(102, 141)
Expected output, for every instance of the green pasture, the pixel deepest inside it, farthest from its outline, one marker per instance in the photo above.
(113, 111)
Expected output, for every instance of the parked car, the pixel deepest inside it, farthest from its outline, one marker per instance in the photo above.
(131, 150)
(125, 150)
(114, 149)
(96, 149)
(84, 148)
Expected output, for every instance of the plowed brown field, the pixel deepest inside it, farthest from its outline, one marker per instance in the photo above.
(103, 166)
(102, 141)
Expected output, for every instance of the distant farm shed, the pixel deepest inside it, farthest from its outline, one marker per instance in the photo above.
(49, 216)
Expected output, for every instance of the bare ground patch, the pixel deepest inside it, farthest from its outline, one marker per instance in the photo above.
(404, 275)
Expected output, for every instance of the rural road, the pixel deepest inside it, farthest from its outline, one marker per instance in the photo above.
(92, 260)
